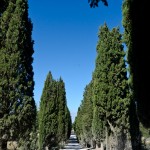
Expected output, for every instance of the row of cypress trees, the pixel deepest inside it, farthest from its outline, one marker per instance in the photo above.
(135, 22)
(104, 116)
(55, 122)
(20, 120)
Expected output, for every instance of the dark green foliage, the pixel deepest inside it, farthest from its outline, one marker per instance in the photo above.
(34, 135)
(83, 120)
(100, 86)
(134, 126)
(68, 123)
(137, 58)
(144, 131)
(78, 124)
(94, 3)
(110, 86)
(18, 110)
(87, 108)
(98, 126)
(135, 24)
(48, 114)
(54, 116)
(118, 95)
(109, 91)
(63, 132)
(4, 25)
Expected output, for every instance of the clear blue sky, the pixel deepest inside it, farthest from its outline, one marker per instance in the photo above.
(65, 38)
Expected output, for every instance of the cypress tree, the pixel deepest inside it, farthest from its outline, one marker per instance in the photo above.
(98, 127)
(48, 114)
(132, 57)
(34, 136)
(83, 120)
(100, 88)
(68, 123)
(135, 33)
(4, 86)
(61, 110)
(111, 87)
(87, 117)
(78, 124)
(54, 116)
(118, 95)
(6, 16)
(18, 110)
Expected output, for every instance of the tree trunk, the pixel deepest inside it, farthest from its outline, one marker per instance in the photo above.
(106, 138)
(102, 146)
(3, 144)
(93, 144)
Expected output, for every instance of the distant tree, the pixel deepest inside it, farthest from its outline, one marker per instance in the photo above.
(87, 107)
(17, 105)
(78, 124)
(54, 116)
(83, 120)
(68, 123)
(48, 113)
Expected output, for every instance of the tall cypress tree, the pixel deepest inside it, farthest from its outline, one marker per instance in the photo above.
(83, 120)
(118, 95)
(87, 117)
(138, 55)
(111, 87)
(78, 124)
(100, 88)
(6, 16)
(68, 123)
(129, 37)
(98, 127)
(61, 110)
(48, 114)
(18, 110)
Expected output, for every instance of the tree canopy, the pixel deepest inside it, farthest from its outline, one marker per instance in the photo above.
(17, 105)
